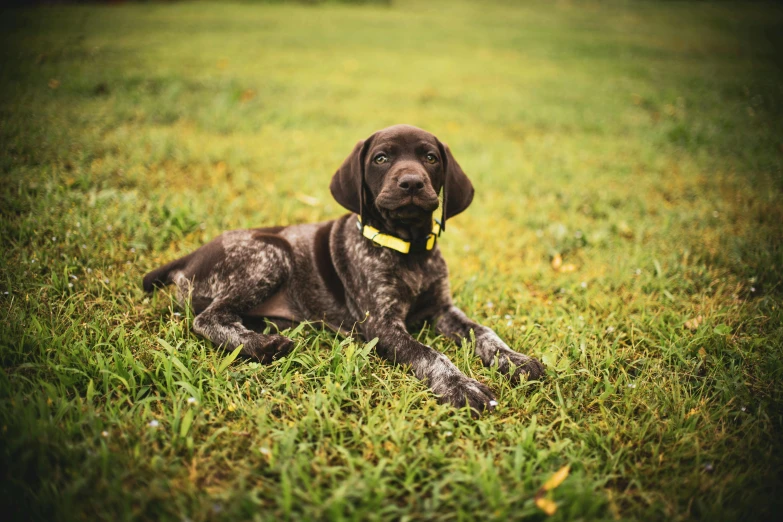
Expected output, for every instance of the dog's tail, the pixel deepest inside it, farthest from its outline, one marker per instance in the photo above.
(161, 276)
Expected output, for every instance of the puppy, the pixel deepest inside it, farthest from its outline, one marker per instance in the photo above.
(377, 269)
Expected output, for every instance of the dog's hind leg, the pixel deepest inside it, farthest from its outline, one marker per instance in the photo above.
(251, 268)
(220, 323)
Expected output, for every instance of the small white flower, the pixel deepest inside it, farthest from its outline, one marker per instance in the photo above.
(509, 323)
(89, 270)
(743, 408)
(715, 213)
(752, 288)
(448, 433)
(177, 314)
(106, 280)
(108, 227)
(153, 423)
(104, 434)
(493, 403)
(708, 467)
(638, 271)
(5, 293)
(506, 316)
(84, 246)
(133, 250)
(265, 451)
(191, 400)
(78, 224)
(70, 285)
(583, 284)
(74, 277)
(610, 329)
(54, 238)
(632, 385)
(580, 318)
(490, 304)
(32, 260)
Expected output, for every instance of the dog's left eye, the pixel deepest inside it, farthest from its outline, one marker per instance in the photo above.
(381, 158)
(431, 158)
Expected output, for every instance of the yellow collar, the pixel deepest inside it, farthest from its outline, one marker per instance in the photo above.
(400, 245)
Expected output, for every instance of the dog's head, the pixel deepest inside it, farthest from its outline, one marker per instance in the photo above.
(395, 175)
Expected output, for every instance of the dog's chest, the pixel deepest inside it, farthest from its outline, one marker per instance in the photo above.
(413, 281)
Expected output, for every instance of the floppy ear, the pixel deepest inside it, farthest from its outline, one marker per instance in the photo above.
(347, 184)
(457, 188)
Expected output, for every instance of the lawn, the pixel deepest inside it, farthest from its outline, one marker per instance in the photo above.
(627, 230)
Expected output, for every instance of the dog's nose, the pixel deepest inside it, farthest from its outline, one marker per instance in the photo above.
(411, 183)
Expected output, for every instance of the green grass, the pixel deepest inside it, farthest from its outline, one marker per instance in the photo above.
(641, 142)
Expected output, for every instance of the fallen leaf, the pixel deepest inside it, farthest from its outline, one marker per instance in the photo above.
(568, 267)
(692, 324)
(702, 352)
(557, 479)
(557, 262)
(546, 505)
(54, 83)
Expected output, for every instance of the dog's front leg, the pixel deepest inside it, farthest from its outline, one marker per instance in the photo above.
(454, 324)
(447, 382)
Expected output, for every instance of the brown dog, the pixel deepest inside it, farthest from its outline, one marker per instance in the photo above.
(378, 269)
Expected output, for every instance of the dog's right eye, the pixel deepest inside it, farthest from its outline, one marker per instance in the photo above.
(380, 158)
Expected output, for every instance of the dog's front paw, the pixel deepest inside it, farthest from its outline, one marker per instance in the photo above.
(523, 365)
(459, 390)
(267, 348)
(494, 352)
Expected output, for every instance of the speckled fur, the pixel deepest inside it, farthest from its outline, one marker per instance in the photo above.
(329, 272)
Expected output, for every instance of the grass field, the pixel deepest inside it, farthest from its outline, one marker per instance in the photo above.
(627, 230)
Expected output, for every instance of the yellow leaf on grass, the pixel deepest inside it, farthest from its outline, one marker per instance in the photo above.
(546, 505)
(692, 324)
(557, 479)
